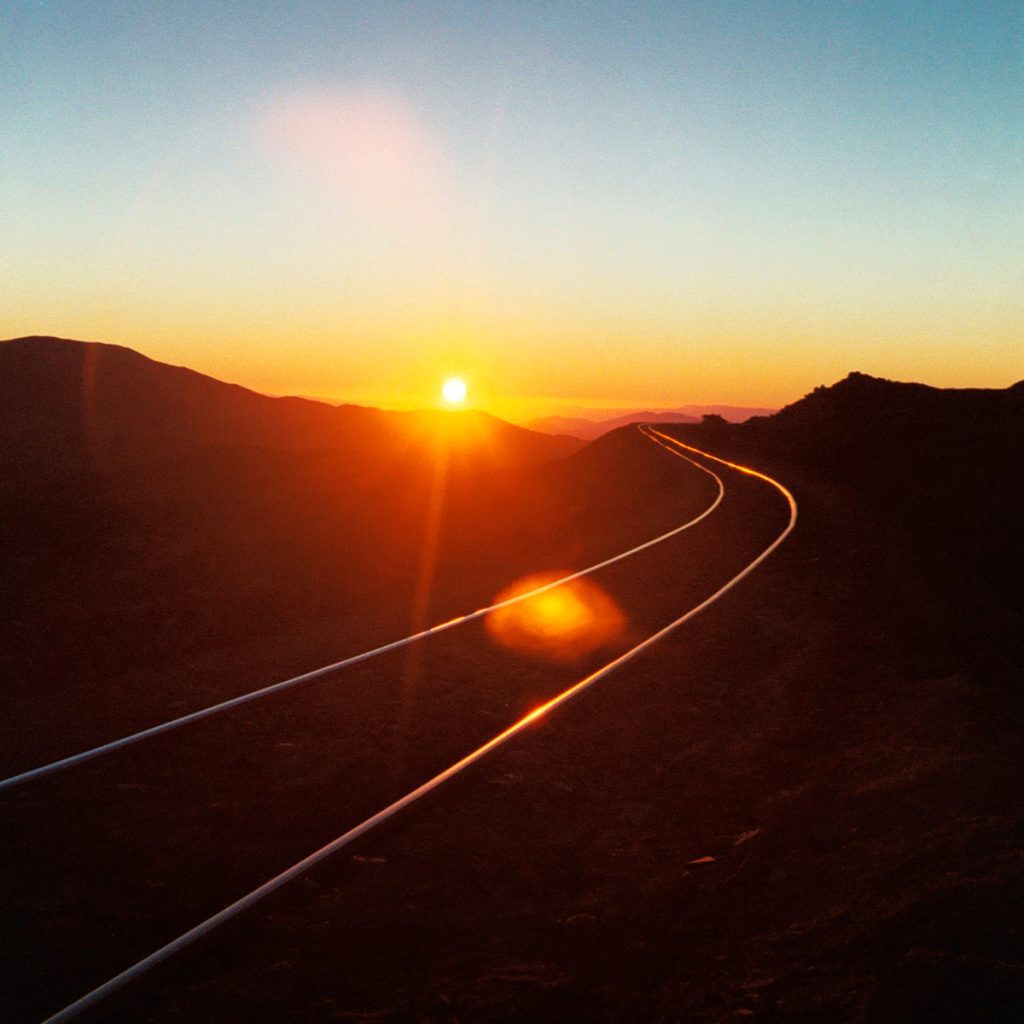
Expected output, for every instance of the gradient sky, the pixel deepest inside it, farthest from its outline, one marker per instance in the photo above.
(597, 203)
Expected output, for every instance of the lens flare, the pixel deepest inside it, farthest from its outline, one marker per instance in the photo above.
(561, 624)
(366, 148)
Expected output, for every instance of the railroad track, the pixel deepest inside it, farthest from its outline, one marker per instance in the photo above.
(665, 441)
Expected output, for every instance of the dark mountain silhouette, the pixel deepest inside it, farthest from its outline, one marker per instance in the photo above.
(113, 406)
(939, 473)
(805, 808)
(864, 405)
(930, 452)
(154, 516)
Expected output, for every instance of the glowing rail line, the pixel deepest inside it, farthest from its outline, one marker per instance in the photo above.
(203, 928)
(308, 677)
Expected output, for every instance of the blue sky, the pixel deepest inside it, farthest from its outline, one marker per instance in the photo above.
(614, 202)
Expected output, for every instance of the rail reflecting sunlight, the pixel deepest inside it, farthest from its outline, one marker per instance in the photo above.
(561, 624)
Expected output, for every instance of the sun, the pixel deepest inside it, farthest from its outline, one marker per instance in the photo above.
(453, 391)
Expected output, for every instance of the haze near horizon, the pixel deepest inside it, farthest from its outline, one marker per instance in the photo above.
(591, 205)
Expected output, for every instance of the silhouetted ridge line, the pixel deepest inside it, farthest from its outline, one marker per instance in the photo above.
(108, 406)
(862, 394)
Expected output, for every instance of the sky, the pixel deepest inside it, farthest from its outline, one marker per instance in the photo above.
(606, 204)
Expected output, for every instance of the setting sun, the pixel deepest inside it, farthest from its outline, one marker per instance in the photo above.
(454, 391)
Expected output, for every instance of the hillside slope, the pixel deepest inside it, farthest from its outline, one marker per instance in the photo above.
(112, 406)
(804, 809)
(199, 539)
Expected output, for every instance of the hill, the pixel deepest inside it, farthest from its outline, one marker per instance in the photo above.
(165, 531)
(862, 408)
(111, 406)
(804, 808)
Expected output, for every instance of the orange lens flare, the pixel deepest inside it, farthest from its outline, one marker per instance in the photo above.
(561, 624)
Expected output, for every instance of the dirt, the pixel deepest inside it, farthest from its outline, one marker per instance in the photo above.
(802, 807)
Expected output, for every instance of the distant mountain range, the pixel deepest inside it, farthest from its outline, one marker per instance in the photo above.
(592, 423)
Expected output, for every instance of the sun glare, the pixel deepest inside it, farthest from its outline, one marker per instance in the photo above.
(454, 391)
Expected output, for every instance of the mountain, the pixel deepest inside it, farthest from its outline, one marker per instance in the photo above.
(937, 478)
(801, 806)
(112, 406)
(860, 403)
(901, 438)
(590, 424)
(156, 519)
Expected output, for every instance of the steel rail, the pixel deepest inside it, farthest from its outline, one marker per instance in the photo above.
(204, 927)
(307, 677)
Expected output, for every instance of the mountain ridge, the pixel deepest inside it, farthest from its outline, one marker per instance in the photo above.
(813, 793)
(72, 399)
